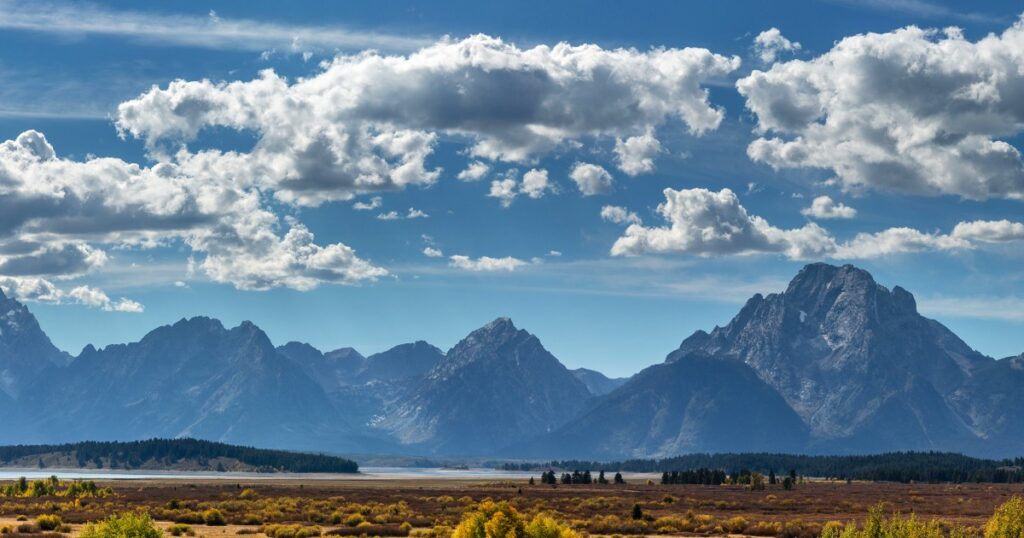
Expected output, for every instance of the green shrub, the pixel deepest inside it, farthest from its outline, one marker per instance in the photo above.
(128, 525)
(180, 529)
(1008, 521)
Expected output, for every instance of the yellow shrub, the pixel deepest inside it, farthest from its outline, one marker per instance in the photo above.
(1008, 521)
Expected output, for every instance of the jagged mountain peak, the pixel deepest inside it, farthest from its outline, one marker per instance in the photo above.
(25, 350)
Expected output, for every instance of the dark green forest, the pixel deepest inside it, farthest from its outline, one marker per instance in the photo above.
(134, 454)
(889, 467)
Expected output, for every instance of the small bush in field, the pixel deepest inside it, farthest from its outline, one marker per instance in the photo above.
(180, 529)
(129, 525)
(214, 517)
(48, 522)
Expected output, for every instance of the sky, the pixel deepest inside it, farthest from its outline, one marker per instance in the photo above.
(612, 176)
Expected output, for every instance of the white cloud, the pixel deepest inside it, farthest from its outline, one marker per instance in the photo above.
(504, 190)
(475, 171)
(368, 123)
(213, 32)
(535, 183)
(374, 203)
(432, 252)
(96, 298)
(824, 207)
(708, 223)
(704, 223)
(41, 290)
(487, 263)
(554, 253)
(416, 214)
(990, 231)
(390, 215)
(896, 241)
(59, 215)
(619, 215)
(591, 179)
(635, 155)
(769, 44)
(915, 111)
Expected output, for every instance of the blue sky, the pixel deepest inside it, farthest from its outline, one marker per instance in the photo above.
(596, 294)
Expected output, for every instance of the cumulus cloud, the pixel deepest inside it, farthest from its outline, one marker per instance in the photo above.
(769, 44)
(369, 122)
(990, 231)
(704, 223)
(96, 298)
(374, 203)
(635, 155)
(896, 241)
(414, 213)
(432, 252)
(390, 215)
(62, 214)
(534, 184)
(619, 215)
(707, 223)
(475, 171)
(486, 263)
(913, 110)
(824, 207)
(504, 190)
(591, 179)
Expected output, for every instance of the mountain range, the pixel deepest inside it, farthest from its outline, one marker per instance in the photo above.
(835, 364)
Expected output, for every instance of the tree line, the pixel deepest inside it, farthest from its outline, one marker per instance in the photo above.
(888, 467)
(134, 454)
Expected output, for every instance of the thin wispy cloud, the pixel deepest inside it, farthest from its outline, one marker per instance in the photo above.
(995, 308)
(210, 31)
(922, 8)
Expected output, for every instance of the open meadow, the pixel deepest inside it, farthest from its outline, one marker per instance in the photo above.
(434, 508)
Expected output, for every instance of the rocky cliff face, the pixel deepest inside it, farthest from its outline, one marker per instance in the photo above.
(496, 387)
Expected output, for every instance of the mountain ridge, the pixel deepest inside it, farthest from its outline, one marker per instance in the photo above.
(836, 363)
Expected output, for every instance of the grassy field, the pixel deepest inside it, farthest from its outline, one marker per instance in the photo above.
(432, 507)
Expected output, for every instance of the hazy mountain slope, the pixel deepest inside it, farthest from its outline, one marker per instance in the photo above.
(993, 400)
(695, 404)
(25, 350)
(401, 362)
(330, 370)
(194, 378)
(496, 386)
(598, 383)
(854, 360)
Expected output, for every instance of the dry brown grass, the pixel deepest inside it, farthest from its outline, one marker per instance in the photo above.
(392, 507)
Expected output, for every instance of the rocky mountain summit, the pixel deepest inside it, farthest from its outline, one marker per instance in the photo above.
(855, 360)
(494, 388)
